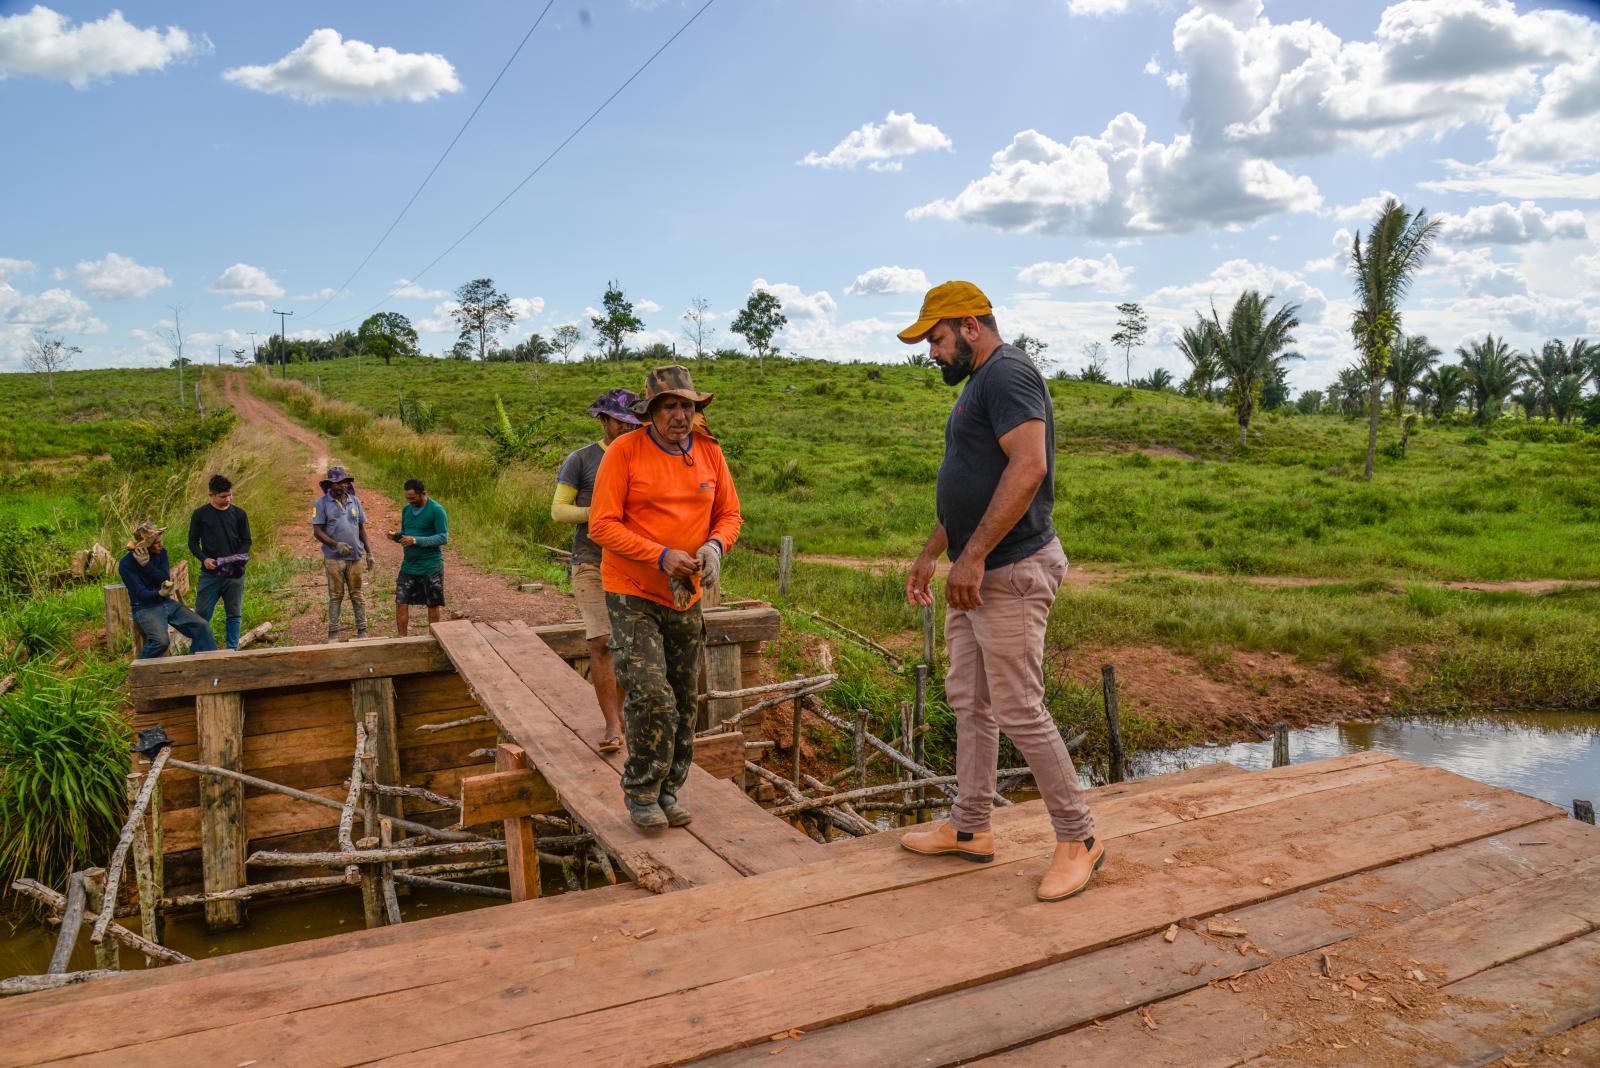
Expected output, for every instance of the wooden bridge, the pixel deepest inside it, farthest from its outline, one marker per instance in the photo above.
(1347, 911)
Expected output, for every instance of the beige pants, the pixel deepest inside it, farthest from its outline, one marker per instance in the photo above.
(996, 683)
(344, 576)
(591, 598)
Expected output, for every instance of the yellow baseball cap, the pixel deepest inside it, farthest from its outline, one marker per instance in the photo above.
(947, 300)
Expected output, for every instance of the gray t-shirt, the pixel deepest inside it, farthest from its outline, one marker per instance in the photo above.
(1002, 394)
(340, 522)
(578, 471)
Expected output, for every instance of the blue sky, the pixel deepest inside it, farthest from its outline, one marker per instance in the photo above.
(1064, 154)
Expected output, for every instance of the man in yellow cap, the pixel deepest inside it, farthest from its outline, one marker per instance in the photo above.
(995, 493)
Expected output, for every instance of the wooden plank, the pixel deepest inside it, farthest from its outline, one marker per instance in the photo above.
(721, 673)
(721, 755)
(505, 795)
(833, 893)
(962, 1026)
(372, 703)
(522, 857)
(256, 669)
(727, 822)
(266, 815)
(219, 719)
(589, 789)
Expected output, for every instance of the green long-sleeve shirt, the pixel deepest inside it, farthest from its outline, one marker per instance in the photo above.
(432, 530)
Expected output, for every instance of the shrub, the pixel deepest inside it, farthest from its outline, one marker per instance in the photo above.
(149, 443)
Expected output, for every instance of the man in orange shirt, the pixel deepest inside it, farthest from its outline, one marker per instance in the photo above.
(665, 512)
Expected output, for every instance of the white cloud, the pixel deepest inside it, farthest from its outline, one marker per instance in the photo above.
(119, 278)
(1104, 275)
(1224, 285)
(1517, 183)
(54, 309)
(1475, 272)
(1118, 185)
(42, 43)
(799, 305)
(646, 307)
(439, 321)
(1365, 210)
(1511, 224)
(246, 281)
(525, 308)
(327, 67)
(1564, 126)
(1338, 259)
(247, 305)
(406, 289)
(878, 145)
(10, 268)
(881, 280)
(1152, 67)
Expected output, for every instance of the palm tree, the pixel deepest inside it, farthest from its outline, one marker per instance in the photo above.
(1586, 356)
(1546, 369)
(1443, 386)
(1349, 391)
(1565, 396)
(1195, 345)
(1158, 381)
(1250, 349)
(1528, 400)
(1397, 243)
(1493, 372)
(1413, 357)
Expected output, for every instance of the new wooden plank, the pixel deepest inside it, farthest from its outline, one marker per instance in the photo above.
(220, 721)
(589, 788)
(849, 883)
(503, 795)
(255, 669)
(727, 822)
(721, 756)
(960, 1027)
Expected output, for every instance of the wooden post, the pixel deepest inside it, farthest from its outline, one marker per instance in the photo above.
(522, 855)
(929, 634)
(785, 564)
(106, 957)
(1280, 745)
(860, 746)
(219, 724)
(71, 920)
(794, 742)
(1108, 684)
(391, 900)
(144, 877)
(119, 618)
(722, 670)
(158, 860)
(372, 703)
(918, 749)
(1583, 810)
(907, 731)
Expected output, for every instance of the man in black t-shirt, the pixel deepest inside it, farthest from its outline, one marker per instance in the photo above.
(995, 493)
(219, 537)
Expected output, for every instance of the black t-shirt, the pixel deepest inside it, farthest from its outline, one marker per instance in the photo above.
(1002, 394)
(217, 532)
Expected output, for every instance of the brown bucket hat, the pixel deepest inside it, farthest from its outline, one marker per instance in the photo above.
(672, 379)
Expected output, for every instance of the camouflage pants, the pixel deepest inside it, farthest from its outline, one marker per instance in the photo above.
(658, 655)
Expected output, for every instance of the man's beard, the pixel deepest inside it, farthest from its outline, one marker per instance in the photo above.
(956, 371)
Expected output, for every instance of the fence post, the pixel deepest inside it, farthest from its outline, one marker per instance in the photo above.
(119, 618)
(929, 635)
(219, 724)
(1108, 684)
(1280, 745)
(860, 741)
(785, 564)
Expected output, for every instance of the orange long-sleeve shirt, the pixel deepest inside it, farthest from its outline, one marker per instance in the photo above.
(648, 500)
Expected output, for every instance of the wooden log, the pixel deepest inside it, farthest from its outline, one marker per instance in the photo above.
(721, 755)
(462, 722)
(99, 902)
(219, 726)
(770, 687)
(922, 773)
(442, 833)
(80, 564)
(843, 816)
(1117, 770)
(860, 639)
(1583, 810)
(253, 635)
(505, 795)
(870, 791)
(734, 720)
(858, 746)
(468, 889)
(179, 576)
(143, 874)
(371, 874)
(522, 858)
(929, 633)
(100, 561)
(119, 618)
(158, 855)
(58, 902)
(785, 564)
(71, 920)
(794, 741)
(254, 890)
(391, 901)
(119, 855)
(603, 862)
(33, 984)
(412, 791)
(1280, 744)
(372, 702)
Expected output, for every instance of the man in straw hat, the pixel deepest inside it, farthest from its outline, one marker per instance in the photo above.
(145, 571)
(340, 524)
(574, 494)
(995, 492)
(665, 512)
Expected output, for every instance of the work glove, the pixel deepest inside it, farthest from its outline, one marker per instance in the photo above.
(166, 588)
(682, 592)
(369, 561)
(345, 550)
(710, 557)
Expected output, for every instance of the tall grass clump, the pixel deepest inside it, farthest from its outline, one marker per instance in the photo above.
(63, 760)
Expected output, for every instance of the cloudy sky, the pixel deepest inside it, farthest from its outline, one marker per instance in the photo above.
(1064, 154)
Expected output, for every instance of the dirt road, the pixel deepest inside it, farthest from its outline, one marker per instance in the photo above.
(470, 593)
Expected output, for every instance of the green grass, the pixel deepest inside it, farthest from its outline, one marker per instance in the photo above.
(91, 412)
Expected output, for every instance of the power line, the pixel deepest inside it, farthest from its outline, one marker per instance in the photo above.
(542, 163)
(437, 163)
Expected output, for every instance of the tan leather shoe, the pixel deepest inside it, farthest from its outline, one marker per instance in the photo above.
(1074, 865)
(943, 838)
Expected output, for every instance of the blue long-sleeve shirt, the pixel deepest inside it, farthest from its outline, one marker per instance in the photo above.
(144, 583)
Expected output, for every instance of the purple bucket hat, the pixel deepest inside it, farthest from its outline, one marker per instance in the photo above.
(618, 404)
(336, 475)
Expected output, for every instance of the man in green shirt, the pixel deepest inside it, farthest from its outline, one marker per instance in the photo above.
(423, 531)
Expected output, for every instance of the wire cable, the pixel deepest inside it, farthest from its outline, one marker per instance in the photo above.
(437, 163)
(542, 163)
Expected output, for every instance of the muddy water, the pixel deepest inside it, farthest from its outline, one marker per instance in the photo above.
(1554, 756)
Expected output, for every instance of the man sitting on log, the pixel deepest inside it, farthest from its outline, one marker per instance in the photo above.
(146, 573)
(665, 512)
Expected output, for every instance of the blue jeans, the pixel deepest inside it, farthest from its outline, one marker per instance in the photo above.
(155, 620)
(231, 590)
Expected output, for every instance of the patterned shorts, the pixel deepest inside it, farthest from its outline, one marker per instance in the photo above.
(419, 589)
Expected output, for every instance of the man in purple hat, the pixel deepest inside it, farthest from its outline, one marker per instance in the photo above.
(340, 523)
(574, 491)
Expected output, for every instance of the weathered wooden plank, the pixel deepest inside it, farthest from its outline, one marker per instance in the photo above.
(721, 673)
(721, 755)
(372, 702)
(522, 857)
(219, 719)
(256, 669)
(589, 789)
(266, 815)
(504, 795)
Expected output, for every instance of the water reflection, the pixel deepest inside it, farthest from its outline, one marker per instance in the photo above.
(1554, 756)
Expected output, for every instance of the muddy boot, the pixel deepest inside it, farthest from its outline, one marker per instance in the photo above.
(1074, 865)
(334, 607)
(677, 815)
(943, 838)
(360, 607)
(648, 816)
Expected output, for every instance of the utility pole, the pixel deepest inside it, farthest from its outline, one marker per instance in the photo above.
(253, 346)
(283, 355)
(219, 355)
